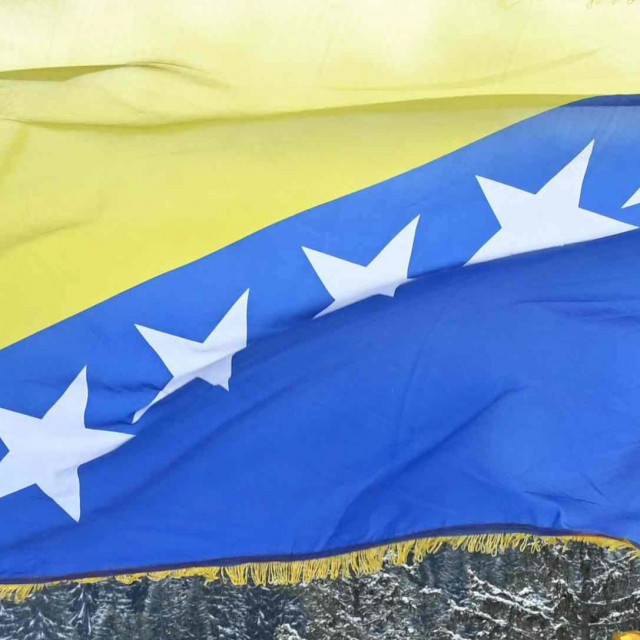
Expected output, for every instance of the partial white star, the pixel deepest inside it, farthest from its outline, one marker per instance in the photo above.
(48, 451)
(549, 218)
(348, 282)
(209, 360)
(633, 200)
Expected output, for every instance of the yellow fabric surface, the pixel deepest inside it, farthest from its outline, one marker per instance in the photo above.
(138, 136)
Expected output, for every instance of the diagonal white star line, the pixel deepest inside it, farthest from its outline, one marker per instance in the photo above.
(349, 282)
(549, 218)
(48, 451)
(210, 360)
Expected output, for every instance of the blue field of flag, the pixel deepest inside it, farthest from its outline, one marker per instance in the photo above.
(453, 350)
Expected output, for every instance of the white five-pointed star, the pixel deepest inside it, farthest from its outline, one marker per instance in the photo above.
(48, 451)
(209, 360)
(348, 282)
(549, 218)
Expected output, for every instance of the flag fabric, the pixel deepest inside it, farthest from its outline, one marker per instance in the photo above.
(285, 283)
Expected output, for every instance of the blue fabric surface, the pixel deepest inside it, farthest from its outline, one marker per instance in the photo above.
(500, 396)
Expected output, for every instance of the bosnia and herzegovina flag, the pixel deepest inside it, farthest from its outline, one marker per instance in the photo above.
(285, 281)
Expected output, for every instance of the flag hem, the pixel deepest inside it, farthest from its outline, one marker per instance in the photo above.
(363, 561)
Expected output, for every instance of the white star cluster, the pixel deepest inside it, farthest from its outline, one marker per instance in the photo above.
(47, 452)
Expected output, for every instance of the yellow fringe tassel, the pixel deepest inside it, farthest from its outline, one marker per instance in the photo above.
(357, 563)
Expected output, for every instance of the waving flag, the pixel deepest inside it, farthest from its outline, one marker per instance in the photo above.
(288, 286)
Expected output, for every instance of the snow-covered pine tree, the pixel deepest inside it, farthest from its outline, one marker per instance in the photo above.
(505, 613)
(453, 572)
(8, 621)
(83, 605)
(378, 607)
(286, 632)
(268, 608)
(227, 609)
(163, 617)
(594, 590)
(428, 583)
(562, 593)
(451, 587)
(390, 603)
(104, 625)
(44, 616)
(293, 612)
(334, 610)
(497, 597)
(137, 594)
(114, 618)
(196, 618)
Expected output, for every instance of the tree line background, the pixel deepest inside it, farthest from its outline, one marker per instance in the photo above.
(578, 593)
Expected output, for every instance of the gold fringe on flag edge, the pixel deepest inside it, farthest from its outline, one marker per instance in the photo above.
(355, 563)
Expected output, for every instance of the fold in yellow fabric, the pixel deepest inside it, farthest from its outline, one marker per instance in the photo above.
(136, 137)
